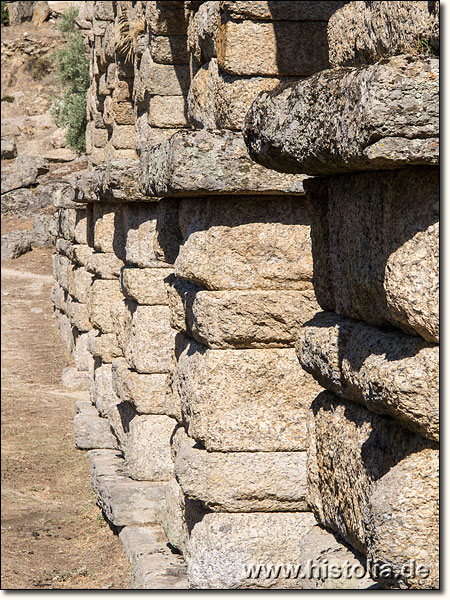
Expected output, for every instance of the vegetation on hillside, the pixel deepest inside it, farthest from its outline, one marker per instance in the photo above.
(69, 111)
(5, 16)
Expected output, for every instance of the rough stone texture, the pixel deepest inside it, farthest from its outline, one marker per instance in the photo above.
(281, 11)
(139, 224)
(108, 232)
(105, 346)
(167, 111)
(147, 452)
(276, 48)
(124, 501)
(209, 162)
(117, 180)
(8, 149)
(403, 519)
(151, 340)
(242, 481)
(16, 243)
(362, 33)
(148, 393)
(79, 283)
(350, 454)
(252, 243)
(153, 565)
(169, 49)
(90, 430)
(389, 372)
(165, 21)
(104, 293)
(145, 286)
(219, 100)
(349, 119)
(240, 319)
(222, 545)
(166, 243)
(78, 314)
(104, 264)
(384, 267)
(26, 171)
(244, 400)
(159, 79)
(81, 350)
(19, 12)
(202, 30)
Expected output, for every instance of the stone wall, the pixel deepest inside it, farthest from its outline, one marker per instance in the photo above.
(193, 264)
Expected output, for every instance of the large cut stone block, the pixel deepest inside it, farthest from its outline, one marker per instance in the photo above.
(124, 501)
(219, 100)
(104, 264)
(278, 48)
(389, 372)
(108, 233)
(167, 49)
(202, 31)
(244, 400)
(105, 347)
(90, 430)
(351, 453)
(242, 481)
(252, 242)
(240, 319)
(147, 452)
(61, 268)
(59, 297)
(209, 162)
(78, 314)
(361, 33)
(350, 119)
(165, 20)
(149, 393)
(382, 268)
(167, 111)
(149, 348)
(81, 350)
(80, 282)
(159, 79)
(104, 294)
(139, 225)
(232, 551)
(145, 286)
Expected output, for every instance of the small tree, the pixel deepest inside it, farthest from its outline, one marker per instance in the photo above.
(69, 110)
(5, 15)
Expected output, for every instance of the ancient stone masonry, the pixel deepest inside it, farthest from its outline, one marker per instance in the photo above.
(238, 186)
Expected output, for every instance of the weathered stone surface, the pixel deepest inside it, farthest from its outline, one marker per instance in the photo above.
(150, 344)
(59, 297)
(108, 232)
(223, 548)
(202, 30)
(66, 331)
(80, 282)
(165, 21)
(101, 391)
(362, 33)
(139, 226)
(105, 346)
(104, 264)
(384, 267)
(26, 171)
(116, 180)
(350, 454)
(72, 378)
(124, 501)
(242, 481)
(240, 319)
(167, 111)
(210, 162)
(90, 430)
(167, 49)
(145, 286)
(123, 136)
(147, 452)
(339, 120)
(281, 11)
(61, 266)
(104, 293)
(282, 48)
(72, 224)
(252, 243)
(81, 350)
(389, 372)
(15, 243)
(219, 100)
(78, 314)
(403, 520)
(244, 400)
(166, 243)
(19, 12)
(159, 79)
(148, 393)
(8, 149)
(78, 253)
(153, 565)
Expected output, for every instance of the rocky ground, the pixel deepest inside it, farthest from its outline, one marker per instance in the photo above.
(53, 534)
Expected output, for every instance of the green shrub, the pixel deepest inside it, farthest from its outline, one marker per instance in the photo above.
(38, 67)
(5, 15)
(8, 98)
(69, 110)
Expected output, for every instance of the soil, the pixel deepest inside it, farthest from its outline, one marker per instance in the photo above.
(53, 534)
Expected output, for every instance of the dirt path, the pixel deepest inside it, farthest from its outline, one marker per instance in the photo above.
(53, 534)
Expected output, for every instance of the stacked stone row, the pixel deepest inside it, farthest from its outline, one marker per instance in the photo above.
(242, 287)
(373, 454)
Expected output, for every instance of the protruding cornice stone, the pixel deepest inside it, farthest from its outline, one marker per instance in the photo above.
(350, 119)
(205, 162)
